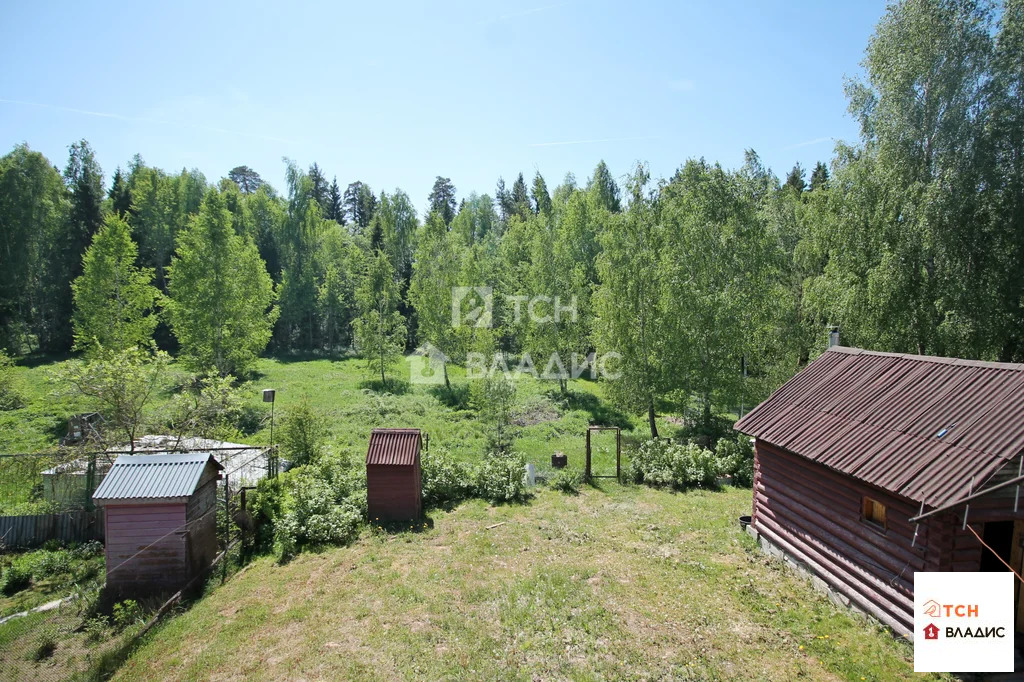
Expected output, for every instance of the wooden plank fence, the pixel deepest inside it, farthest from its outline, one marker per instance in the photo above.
(33, 531)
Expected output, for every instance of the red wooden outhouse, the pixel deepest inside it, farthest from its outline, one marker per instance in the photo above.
(393, 475)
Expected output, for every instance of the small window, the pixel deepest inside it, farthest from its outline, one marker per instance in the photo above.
(874, 513)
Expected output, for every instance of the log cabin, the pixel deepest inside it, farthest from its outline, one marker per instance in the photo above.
(870, 466)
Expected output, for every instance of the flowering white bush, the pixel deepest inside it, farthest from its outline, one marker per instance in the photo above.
(659, 463)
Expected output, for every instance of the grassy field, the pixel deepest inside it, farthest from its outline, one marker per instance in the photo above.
(620, 582)
(354, 404)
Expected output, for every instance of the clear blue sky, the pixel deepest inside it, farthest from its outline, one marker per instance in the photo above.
(396, 93)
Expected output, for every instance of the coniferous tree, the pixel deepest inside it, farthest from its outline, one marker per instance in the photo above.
(120, 194)
(819, 176)
(520, 198)
(442, 199)
(335, 209)
(541, 198)
(604, 189)
(795, 179)
(246, 178)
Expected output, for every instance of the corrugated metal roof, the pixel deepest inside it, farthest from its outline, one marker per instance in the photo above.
(914, 425)
(134, 477)
(395, 447)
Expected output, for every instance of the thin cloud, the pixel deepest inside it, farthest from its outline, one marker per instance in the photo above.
(137, 119)
(808, 143)
(595, 141)
(682, 85)
(524, 13)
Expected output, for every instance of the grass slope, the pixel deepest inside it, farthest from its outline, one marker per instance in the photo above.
(621, 582)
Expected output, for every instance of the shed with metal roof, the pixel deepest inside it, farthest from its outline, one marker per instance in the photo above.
(160, 518)
(870, 466)
(393, 486)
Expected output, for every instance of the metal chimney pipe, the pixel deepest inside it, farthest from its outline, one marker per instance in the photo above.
(833, 336)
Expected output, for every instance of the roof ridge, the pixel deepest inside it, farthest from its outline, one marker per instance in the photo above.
(938, 359)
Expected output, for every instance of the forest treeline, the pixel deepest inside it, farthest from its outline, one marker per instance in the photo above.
(712, 285)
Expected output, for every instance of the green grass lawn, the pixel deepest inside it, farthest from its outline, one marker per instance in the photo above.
(620, 582)
(354, 404)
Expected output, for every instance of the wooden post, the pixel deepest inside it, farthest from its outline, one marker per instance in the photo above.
(587, 474)
(227, 529)
(618, 454)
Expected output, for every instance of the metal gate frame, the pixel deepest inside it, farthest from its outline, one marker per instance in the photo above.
(618, 451)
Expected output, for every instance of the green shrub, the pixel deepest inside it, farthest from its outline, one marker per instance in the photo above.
(46, 563)
(659, 463)
(303, 434)
(315, 515)
(500, 477)
(567, 481)
(736, 458)
(15, 578)
(445, 480)
(126, 613)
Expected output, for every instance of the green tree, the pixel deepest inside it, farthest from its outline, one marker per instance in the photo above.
(221, 297)
(604, 188)
(33, 206)
(435, 274)
(442, 199)
(541, 198)
(819, 176)
(331, 305)
(114, 299)
(119, 384)
(631, 320)
(335, 209)
(380, 327)
(246, 178)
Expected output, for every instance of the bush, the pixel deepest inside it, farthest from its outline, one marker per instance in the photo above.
(567, 481)
(445, 480)
(315, 515)
(736, 458)
(303, 434)
(659, 463)
(126, 613)
(16, 578)
(500, 478)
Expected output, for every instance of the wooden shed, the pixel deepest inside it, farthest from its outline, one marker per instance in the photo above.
(867, 464)
(161, 520)
(393, 475)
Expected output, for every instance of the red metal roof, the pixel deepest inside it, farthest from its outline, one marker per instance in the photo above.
(395, 447)
(914, 425)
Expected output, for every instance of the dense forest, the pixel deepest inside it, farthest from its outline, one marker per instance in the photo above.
(712, 285)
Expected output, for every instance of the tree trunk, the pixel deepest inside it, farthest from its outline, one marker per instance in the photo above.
(447, 384)
(651, 420)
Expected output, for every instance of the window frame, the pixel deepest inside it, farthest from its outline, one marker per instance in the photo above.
(870, 504)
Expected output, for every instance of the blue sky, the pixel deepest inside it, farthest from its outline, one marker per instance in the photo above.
(395, 94)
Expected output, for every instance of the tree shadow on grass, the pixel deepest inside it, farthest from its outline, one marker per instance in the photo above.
(455, 396)
(392, 386)
(601, 413)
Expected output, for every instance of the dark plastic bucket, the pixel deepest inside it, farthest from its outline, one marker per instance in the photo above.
(744, 522)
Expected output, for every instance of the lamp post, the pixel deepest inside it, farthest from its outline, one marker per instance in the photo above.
(269, 396)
